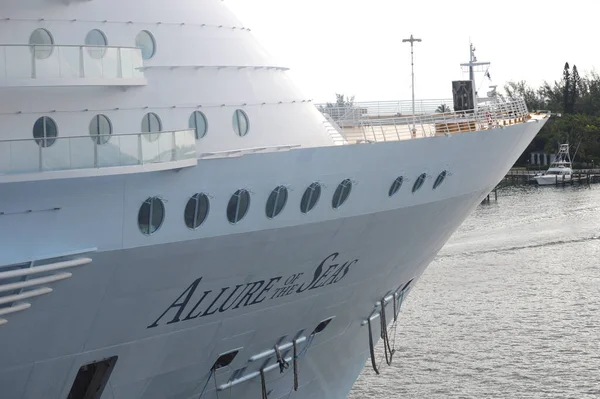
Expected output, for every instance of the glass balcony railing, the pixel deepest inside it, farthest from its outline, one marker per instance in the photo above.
(92, 152)
(46, 63)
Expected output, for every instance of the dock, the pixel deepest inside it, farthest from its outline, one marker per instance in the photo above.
(579, 176)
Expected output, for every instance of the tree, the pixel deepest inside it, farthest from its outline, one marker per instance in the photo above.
(442, 109)
(567, 89)
(576, 88)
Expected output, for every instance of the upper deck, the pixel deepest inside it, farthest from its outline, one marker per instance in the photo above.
(384, 121)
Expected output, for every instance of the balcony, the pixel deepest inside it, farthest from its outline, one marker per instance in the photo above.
(65, 157)
(50, 65)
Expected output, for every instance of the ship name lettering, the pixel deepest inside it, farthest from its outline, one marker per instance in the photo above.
(197, 305)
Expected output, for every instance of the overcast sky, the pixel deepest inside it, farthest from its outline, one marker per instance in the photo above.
(355, 46)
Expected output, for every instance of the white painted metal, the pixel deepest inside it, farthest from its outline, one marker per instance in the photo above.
(34, 282)
(46, 268)
(271, 352)
(15, 308)
(25, 295)
(283, 275)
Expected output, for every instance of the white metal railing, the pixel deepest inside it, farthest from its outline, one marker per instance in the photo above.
(381, 109)
(377, 129)
(20, 62)
(84, 152)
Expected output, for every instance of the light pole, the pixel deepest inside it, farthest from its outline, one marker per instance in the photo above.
(412, 40)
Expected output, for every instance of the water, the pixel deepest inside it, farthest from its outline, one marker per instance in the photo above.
(509, 309)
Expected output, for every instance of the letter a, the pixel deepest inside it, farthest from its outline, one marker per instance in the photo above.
(188, 295)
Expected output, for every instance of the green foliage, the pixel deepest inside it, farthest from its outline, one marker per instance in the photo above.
(578, 100)
(443, 109)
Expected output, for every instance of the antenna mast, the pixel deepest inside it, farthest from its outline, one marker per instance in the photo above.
(412, 40)
(474, 66)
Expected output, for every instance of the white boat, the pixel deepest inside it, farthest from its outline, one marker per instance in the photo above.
(560, 169)
(176, 217)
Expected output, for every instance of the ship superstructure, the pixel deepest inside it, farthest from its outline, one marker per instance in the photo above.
(178, 220)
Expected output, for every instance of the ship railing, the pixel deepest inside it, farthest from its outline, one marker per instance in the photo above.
(355, 111)
(488, 116)
(95, 151)
(39, 62)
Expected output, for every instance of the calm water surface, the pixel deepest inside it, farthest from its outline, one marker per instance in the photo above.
(510, 308)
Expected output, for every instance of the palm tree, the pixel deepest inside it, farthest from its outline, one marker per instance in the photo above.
(442, 109)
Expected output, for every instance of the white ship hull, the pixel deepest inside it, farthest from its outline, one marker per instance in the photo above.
(132, 300)
(551, 180)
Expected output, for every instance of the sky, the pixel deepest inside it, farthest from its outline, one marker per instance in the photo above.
(355, 47)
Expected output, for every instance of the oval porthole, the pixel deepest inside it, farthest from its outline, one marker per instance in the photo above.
(96, 43)
(419, 182)
(238, 206)
(199, 124)
(241, 124)
(396, 185)
(440, 179)
(145, 41)
(42, 43)
(341, 194)
(276, 201)
(151, 215)
(196, 211)
(100, 129)
(310, 198)
(151, 125)
(45, 131)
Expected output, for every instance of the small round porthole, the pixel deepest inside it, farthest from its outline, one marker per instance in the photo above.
(145, 41)
(151, 215)
(45, 131)
(41, 43)
(419, 182)
(342, 192)
(199, 124)
(241, 124)
(276, 201)
(310, 198)
(100, 129)
(238, 206)
(96, 43)
(196, 211)
(440, 179)
(151, 126)
(396, 186)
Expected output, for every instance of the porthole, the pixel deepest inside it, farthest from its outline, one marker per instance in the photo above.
(199, 124)
(42, 43)
(145, 41)
(396, 186)
(151, 215)
(310, 198)
(342, 192)
(151, 125)
(440, 179)
(100, 129)
(45, 131)
(419, 182)
(238, 206)
(196, 211)
(241, 124)
(276, 201)
(96, 42)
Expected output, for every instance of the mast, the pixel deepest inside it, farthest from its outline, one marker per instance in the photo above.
(474, 66)
(412, 40)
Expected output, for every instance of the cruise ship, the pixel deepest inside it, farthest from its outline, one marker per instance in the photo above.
(178, 220)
